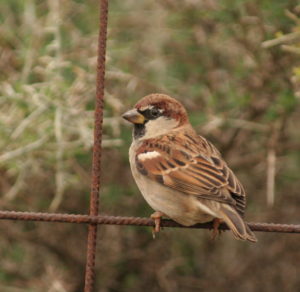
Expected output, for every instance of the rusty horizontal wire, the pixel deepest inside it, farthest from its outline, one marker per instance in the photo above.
(135, 221)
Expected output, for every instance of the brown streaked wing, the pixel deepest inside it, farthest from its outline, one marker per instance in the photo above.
(233, 185)
(182, 171)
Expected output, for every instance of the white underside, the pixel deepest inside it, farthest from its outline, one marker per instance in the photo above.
(182, 208)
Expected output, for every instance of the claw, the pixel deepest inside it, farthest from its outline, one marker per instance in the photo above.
(156, 217)
(216, 231)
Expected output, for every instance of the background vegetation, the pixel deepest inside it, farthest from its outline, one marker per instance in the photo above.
(242, 93)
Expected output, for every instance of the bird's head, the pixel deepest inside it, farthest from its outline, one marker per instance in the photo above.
(155, 115)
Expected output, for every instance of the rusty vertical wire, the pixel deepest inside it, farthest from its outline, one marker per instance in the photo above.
(96, 166)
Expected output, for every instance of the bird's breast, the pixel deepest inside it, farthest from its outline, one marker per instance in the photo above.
(182, 208)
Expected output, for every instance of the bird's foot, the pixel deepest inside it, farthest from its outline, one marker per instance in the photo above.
(216, 231)
(156, 217)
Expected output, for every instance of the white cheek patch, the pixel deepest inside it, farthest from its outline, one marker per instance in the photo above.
(148, 155)
(158, 127)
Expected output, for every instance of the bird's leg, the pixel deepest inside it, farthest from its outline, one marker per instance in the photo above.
(216, 231)
(156, 217)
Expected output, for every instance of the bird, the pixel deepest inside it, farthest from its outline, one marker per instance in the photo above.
(180, 174)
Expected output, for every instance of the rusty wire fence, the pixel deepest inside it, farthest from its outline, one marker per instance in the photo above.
(93, 219)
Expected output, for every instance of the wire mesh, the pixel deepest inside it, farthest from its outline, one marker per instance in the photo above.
(93, 219)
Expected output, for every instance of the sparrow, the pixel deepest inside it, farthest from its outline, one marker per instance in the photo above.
(180, 174)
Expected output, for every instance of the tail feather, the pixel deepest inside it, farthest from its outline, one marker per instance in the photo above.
(237, 225)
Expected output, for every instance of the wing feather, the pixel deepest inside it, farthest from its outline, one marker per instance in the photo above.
(196, 171)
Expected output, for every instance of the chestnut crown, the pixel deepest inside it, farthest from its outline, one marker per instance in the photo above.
(155, 105)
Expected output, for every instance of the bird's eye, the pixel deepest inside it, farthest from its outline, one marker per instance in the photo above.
(155, 112)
